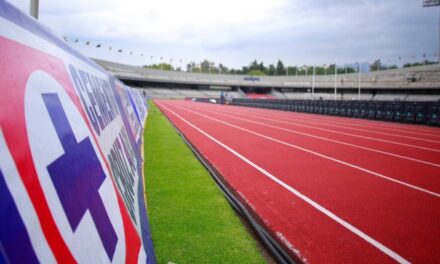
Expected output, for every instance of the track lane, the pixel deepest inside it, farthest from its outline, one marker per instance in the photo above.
(409, 151)
(427, 154)
(340, 183)
(314, 233)
(399, 127)
(317, 119)
(270, 123)
(421, 175)
(415, 141)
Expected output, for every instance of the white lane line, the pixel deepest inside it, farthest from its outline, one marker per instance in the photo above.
(401, 130)
(353, 135)
(295, 192)
(429, 131)
(223, 113)
(320, 155)
(298, 119)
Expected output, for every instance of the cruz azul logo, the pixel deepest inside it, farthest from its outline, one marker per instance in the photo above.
(59, 198)
(73, 175)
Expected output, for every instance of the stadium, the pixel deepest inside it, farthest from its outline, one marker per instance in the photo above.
(103, 161)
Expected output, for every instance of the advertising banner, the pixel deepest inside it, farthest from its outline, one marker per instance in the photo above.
(71, 167)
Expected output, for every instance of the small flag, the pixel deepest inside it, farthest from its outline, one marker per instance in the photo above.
(120, 50)
(98, 46)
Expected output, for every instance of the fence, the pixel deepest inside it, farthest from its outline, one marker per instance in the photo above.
(394, 111)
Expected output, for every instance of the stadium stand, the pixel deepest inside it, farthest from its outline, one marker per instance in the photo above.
(401, 95)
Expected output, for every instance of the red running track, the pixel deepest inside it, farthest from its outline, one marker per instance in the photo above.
(330, 189)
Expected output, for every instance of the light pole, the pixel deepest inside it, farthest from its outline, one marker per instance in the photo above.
(336, 76)
(359, 81)
(313, 82)
(432, 3)
(34, 8)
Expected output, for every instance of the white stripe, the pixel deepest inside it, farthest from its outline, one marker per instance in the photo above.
(311, 202)
(380, 127)
(358, 129)
(409, 128)
(318, 137)
(358, 136)
(321, 155)
(24, 204)
(301, 119)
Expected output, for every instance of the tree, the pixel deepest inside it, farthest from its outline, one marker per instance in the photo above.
(222, 68)
(160, 66)
(291, 70)
(271, 70)
(205, 66)
(376, 65)
(190, 66)
(256, 73)
(280, 68)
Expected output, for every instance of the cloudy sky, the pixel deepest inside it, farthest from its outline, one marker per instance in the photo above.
(235, 32)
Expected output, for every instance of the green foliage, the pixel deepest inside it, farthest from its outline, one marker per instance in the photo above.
(190, 220)
(160, 66)
(414, 64)
(377, 66)
(280, 68)
(256, 73)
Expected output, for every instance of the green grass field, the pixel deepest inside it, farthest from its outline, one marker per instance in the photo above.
(191, 221)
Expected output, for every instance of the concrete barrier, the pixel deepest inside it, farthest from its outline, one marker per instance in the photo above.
(71, 166)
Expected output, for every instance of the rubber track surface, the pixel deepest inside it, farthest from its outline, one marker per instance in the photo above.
(330, 189)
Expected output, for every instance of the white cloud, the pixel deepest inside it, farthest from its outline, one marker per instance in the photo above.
(238, 31)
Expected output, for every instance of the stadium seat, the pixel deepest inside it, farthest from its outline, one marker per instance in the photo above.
(409, 112)
(433, 114)
(397, 111)
(348, 108)
(371, 110)
(389, 111)
(326, 107)
(380, 112)
(363, 109)
(420, 113)
(355, 106)
(338, 106)
(319, 107)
